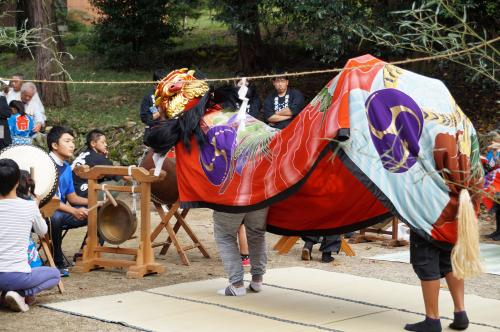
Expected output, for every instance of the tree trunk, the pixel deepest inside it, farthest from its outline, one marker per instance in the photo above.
(48, 65)
(250, 47)
(23, 22)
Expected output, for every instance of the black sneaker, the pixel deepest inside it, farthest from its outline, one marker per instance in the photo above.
(326, 257)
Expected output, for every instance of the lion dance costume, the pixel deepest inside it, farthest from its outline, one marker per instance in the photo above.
(376, 141)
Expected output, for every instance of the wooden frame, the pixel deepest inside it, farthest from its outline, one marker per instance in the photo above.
(47, 211)
(173, 211)
(144, 262)
(393, 242)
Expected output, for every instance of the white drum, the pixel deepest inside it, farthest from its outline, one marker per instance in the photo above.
(38, 162)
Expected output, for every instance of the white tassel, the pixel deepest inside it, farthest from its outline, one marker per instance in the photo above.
(158, 159)
(242, 112)
(465, 256)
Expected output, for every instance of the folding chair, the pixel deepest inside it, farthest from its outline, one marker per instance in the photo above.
(44, 241)
(46, 245)
(173, 211)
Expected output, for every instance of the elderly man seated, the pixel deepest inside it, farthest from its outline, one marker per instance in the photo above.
(33, 105)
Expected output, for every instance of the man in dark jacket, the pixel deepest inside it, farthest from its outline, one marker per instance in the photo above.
(283, 105)
(5, 113)
(149, 113)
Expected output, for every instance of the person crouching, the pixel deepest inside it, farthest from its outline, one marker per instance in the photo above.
(19, 283)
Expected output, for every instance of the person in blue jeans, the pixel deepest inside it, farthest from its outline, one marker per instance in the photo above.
(61, 144)
(19, 283)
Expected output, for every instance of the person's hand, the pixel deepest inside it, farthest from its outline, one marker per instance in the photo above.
(286, 109)
(80, 213)
(156, 115)
(6, 89)
(37, 128)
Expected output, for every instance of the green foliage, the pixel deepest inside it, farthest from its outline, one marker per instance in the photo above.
(440, 28)
(239, 16)
(325, 27)
(132, 33)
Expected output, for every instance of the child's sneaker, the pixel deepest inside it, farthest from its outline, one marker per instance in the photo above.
(255, 286)
(16, 302)
(63, 271)
(232, 291)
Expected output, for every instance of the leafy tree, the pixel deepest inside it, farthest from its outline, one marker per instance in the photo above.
(189, 9)
(326, 27)
(441, 27)
(323, 26)
(47, 55)
(130, 33)
(244, 18)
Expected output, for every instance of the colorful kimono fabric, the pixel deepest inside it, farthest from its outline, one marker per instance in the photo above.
(21, 129)
(376, 141)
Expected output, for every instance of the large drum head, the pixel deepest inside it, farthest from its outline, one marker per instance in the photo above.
(33, 159)
(164, 191)
(116, 224)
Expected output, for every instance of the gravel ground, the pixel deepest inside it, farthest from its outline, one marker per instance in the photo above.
(105, 282)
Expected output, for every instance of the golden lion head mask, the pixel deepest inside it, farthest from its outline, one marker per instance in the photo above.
(179, 91)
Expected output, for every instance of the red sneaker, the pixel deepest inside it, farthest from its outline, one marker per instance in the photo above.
(245, 262)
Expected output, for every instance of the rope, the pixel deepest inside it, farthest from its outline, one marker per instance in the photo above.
(270, 76)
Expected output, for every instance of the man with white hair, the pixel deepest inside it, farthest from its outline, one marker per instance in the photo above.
(33, 105)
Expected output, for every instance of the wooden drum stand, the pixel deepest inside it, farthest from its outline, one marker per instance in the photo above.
(144, 262)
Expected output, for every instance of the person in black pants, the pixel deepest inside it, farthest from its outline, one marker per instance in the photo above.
(5, 113)
(329, 244)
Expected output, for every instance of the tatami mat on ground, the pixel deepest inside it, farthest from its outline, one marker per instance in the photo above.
(490, 254)
(294, 299)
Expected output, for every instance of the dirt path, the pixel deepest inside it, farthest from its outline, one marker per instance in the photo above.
(105, 282)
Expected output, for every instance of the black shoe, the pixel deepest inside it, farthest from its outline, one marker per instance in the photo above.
(326, 257)
(460, 321)
(491, 235)
(428, 325)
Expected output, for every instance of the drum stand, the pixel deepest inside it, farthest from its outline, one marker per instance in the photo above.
(144, 262)
(173, 211)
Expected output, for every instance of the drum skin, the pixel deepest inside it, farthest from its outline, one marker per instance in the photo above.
(32, 158)
(164, 191)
